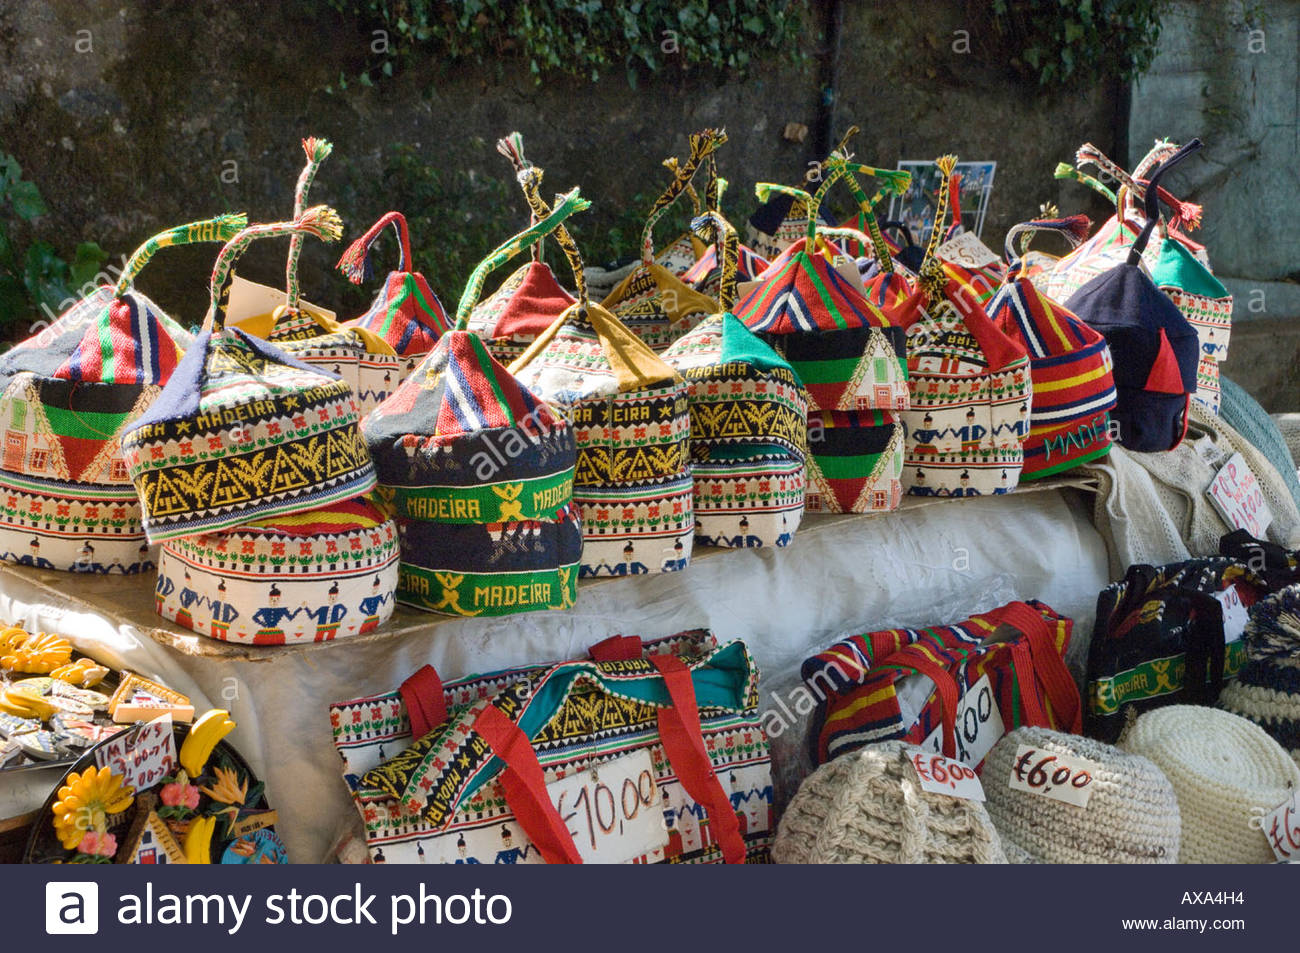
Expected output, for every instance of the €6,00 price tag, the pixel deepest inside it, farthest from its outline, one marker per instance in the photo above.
(979, 725)
(938, 775)
(612, 811)
(1282, 828)
(1057, 776)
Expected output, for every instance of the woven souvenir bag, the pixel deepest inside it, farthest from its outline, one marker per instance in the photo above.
(1154, 347)
(405, 313)
(1069, 363)
(631, 421)
(705, 274)
(927, 686)
(971, 388)
(241, 431)
(850, 358)
(1159, 639)
(749, 421)
(242, 560)
(654, 304)
(530, 299)
(66, 395)
(519, 766)
(480, 472)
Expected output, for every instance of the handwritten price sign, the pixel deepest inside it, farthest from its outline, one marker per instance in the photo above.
(1057, 776)
(144, 755)
(1282, 828)
(979, 725)
(967, 250)
(1236, 495)
(938, 775)
(612, 811)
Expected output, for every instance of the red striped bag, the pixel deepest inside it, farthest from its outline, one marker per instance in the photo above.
(531, 764)
(940, 686)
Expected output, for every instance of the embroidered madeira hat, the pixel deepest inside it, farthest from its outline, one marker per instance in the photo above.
(631, 423)
(481, 472)
(1154, 347)
(530, 299)
(1069, 364)
(66, 396)
(243, 432)
(405, 313)
(749, 421)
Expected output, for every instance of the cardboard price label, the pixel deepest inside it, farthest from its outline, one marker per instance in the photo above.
(143, 755)
(1057, 776)
(938, 775)
(1237, 496)
(979, 725)
(612, 811)
(968, 251)
(1282, 828)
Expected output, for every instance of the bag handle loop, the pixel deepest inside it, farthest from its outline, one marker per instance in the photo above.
(713, 228)
(220, 229)
(1073, 228)
(1152, 200)
(702, 144)
(320, 221)
(355, 262)
(317, 151)
(893, 182)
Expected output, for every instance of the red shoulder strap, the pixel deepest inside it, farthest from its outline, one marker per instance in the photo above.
(616, 648)
(1039, 654)
(425, 703)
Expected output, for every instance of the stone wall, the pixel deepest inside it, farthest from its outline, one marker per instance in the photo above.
(135, 134)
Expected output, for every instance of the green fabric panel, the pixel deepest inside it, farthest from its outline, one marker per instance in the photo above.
(742, 346)
(1178, 268)
(86, 424)
(828, 372)
(859, 466)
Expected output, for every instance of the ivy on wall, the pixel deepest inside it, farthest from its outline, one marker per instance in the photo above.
(1071, 41)
(583, 38)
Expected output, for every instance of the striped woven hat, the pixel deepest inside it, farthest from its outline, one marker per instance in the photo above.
(1154, 347)
(314, 576)
(655, 304)
(970, 387)
(530, 299)
(405, 313)
(1267, 688)
(66, 396)
(631, 422)
(242, 432)
(481, 473)
(749, 421)
(1069, 364)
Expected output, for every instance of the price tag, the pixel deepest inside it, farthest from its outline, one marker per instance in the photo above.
(938, 775)
(1282, 828)
(1235, 615)
(144, 755)
(612, 810)
(968, 251)
(1057, 776)
(979, 725)
(1237, 496)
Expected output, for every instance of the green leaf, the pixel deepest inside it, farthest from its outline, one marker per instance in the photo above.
(86, 263)
(1073, 31)
(46, 276)
(26, 199)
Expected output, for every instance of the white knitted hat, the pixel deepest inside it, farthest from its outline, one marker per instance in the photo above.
(1267, 689)
(1225, 771)
(1131, 816)
(867, 807)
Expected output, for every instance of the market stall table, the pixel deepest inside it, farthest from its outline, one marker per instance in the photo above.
(931, 560)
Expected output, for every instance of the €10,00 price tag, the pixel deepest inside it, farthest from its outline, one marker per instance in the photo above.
(1057, 776)
(979, 725)
(612, 811)
(1282, 828)
(938, 775)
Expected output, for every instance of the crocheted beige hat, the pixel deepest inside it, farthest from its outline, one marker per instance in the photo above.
(868, 807)
(1225, 771)
(1131, 816)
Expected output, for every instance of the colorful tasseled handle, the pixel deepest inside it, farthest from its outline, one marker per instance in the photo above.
(317, 151)
(893, 182)
(565, 205)
(355, 261)
(932, 275)
(703, 143)
(320, 221)
(712, 227)
(1152, 198)
(219, 229)
(1073, 228)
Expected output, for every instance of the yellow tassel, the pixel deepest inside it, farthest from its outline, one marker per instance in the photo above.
(946, 164)
(323, 222)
